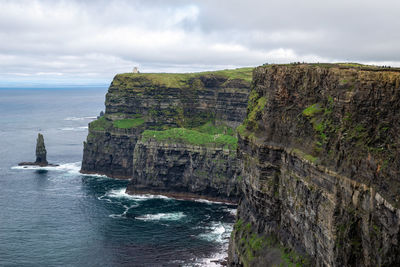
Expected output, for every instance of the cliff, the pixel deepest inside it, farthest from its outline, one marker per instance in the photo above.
(186, 168)
(171, 133)
(320, 157)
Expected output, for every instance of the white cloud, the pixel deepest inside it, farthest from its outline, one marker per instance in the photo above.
(91, 41)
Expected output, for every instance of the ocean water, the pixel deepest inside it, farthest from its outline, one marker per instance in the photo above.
(59, 217)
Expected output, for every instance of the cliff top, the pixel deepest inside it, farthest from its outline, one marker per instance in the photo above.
(339, 65)
(180, 79)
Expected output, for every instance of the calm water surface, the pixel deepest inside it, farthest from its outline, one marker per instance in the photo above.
(58, 217)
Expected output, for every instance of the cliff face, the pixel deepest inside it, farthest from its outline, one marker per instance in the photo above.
(178, 169)
(320, 155)
(171, 132)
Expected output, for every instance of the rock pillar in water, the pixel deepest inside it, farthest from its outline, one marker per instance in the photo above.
(40, 151)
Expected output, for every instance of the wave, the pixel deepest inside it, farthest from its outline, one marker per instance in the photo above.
(72, 168)
(231, 211)
(209, 201)
(123, 214)
(211, 261)
(69, 168)
(173, 216)
(121, 193)
(217, 232)
(81, 128)
(80, 118)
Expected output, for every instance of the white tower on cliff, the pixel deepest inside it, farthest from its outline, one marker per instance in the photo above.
(135, 70)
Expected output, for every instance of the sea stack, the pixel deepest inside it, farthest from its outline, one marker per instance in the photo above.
(41, 154)
(41, 151)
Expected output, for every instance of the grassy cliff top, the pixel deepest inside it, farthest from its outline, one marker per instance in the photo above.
(181, 79)
(205, 135)
(340, 65)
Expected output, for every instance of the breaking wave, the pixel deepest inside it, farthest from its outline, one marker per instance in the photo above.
(173, 216)
(80, 118)
(121, 193)
(75, 129)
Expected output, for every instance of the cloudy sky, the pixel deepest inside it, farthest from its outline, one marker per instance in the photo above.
(88, 42)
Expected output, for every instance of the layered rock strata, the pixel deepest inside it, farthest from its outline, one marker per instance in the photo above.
(185, 161)
(320, 160)
(185, 170)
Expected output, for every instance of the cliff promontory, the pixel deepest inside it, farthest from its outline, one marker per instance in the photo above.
(320, 158)
(171, 133)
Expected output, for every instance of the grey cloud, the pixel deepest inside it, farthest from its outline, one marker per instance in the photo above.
(92, 40)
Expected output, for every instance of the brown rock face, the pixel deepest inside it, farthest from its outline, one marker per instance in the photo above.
(320, 159)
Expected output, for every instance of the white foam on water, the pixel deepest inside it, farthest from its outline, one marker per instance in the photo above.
(72, 168)
(231, 211)
(173, 216)
(69, 168)
(121, 193)
(212, 260)
(123, 214)
(217, 232)
(105, 199)
(80, 118)
(74, 129)
(209, 201)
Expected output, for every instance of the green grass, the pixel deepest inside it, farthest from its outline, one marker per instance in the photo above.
(241, 73)
(256, 105)
(100, 124)
(177, 80)
(312, 110)
(257, 109)
(305, 156)
(252, 245)
(193, 137)
(210, 128)
(128, 123)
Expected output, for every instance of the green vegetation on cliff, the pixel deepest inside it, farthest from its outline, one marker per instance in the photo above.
(177, 80)
(101, 124)
(256, 105)
(207, 135)
(128, 123)
(251, 246)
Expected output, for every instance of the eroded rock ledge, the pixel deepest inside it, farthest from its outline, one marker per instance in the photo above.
(320, 155)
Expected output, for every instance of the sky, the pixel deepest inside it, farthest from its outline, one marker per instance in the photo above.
(88, 42)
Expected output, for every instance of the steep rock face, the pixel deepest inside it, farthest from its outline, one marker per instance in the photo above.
(41, 153)
(140, 102)
(109, 152)
(319, 153)
(183, 100)
(184, 170)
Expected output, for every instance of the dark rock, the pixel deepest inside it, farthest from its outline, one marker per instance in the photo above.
(41, 158)
(185, 170)
(318, 149)
(41, 154)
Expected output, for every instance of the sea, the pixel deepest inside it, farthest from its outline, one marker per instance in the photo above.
(55, 216)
